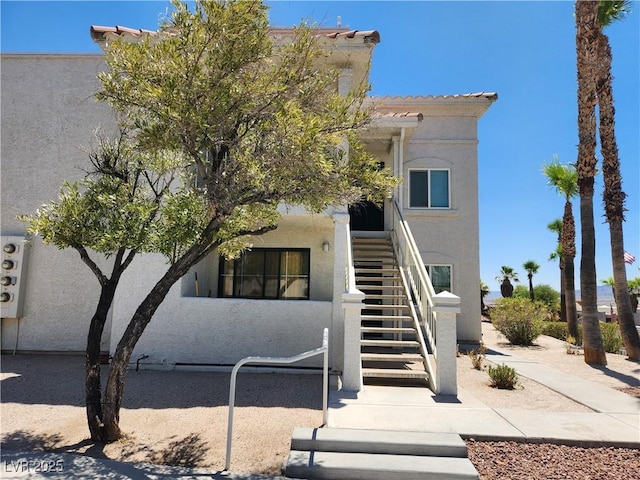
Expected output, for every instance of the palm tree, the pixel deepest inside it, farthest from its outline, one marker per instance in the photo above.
(613, 196)
(531, 268)
(564, 178)
(587, 33)
(556, 227)
(505, 276)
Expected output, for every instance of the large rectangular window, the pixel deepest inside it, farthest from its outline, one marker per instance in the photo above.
(440, 277)
(266, 273)
(429, 188)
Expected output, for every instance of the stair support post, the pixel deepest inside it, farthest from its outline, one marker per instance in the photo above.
(352, 305)
(446, 307)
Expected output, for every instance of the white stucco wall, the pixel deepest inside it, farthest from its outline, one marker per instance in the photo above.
(450, 236)
(221, 331)
(48, 119)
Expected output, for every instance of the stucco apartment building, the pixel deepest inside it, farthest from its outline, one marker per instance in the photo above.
(370, 257)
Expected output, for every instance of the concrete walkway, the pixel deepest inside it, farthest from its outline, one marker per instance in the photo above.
(615, 420)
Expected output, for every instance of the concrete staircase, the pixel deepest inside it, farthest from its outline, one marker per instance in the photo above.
(390, 347)
(348, 454)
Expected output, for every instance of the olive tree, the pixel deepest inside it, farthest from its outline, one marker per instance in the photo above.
(222, 126)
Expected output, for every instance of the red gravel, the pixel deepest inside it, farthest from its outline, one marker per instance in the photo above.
(525, 461)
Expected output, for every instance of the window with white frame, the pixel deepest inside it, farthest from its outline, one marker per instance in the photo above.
(268, 273)
(440, 276)
(429, 188)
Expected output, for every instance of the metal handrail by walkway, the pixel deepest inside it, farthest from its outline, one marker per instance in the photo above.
(323, 350)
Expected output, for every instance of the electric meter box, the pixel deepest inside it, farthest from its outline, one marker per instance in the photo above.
(15, 257)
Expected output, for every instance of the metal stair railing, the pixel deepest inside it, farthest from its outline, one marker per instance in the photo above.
(323, 350)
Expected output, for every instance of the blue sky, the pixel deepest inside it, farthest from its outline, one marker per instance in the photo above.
(525, 51)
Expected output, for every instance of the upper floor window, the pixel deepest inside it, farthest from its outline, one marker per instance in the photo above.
(268, 273)
(429, 188)
(440, 277)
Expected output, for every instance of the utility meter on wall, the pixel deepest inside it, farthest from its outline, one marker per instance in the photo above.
(12, 279)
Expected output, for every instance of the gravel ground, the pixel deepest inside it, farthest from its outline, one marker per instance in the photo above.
(521, 461)
(180, 418)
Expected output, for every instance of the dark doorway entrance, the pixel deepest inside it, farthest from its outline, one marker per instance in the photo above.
(366, 216)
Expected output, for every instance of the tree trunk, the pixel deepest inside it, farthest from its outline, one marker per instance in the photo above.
(532, 295)
(115, 383)
(568, 243)
(591, 335)
(587, 31)
(563, 293)
(614, 199)
(93, 386)
(506, 289)
(571, 313)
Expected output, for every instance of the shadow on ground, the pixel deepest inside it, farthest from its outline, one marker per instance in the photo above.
(59, 380)
(189, 451)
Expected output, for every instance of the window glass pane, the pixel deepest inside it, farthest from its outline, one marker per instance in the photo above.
(251, 281)
(294, 282)
(439, 189)
(271, 274)
(440, 277)
(418, 191)
(266, 273)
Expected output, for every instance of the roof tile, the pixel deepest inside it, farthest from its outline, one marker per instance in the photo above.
(99, 33)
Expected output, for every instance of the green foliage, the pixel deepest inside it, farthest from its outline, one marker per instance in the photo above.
(221, 127)
(503, 377)
(520, 320)
(259, 123)
(544, 293)
(507, 272)
(560, 331)
(611, 338)
(564, 178)
(115, 207)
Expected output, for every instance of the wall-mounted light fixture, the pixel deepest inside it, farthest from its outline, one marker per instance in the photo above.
(325, 246)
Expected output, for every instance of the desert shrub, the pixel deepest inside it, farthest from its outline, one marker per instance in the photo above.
(560, 331)
(543, 293)
(557, 330)
(519, 319)
(477, 356)
(611, 337)
(503, 377)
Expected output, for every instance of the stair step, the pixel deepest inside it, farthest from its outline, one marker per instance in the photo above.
(378, 441)
(380, 287)
(389, 343)
(371, 270)
(358, 466)
(376, 306)
(370, 241)
(367, 278)
(393, 373)
(391, 357)
(409, 330)
(385, 296)
(385, 318)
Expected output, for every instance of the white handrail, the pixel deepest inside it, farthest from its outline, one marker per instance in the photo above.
(419, 282)
(280, 360)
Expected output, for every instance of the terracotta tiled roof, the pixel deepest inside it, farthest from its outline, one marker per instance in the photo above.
(417, 115)
(487, 95)
(100, 34)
